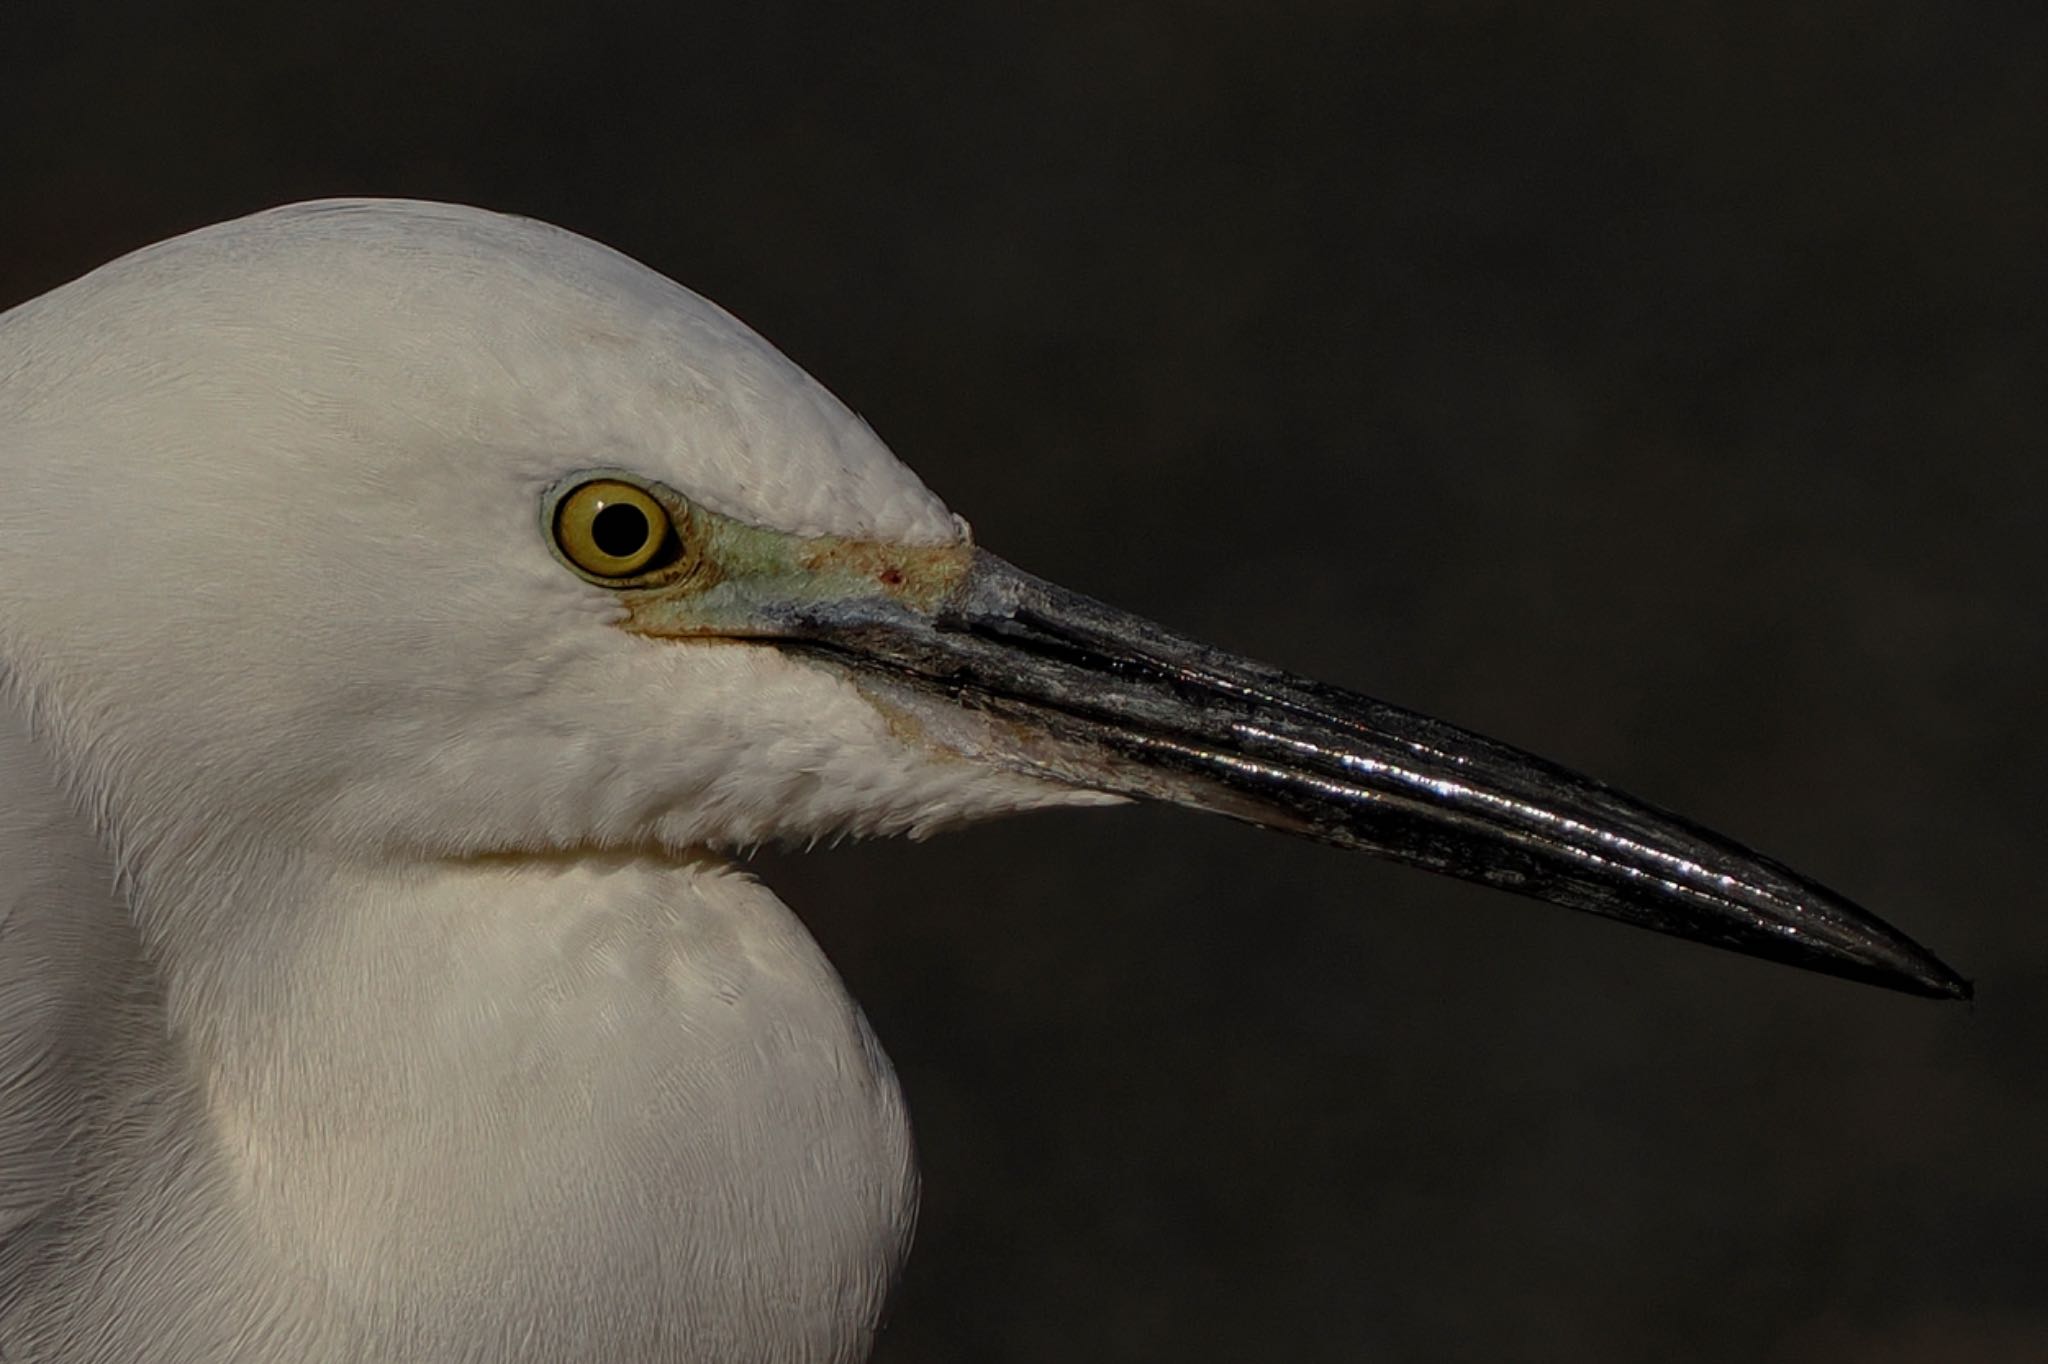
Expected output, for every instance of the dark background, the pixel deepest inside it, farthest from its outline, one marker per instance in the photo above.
(1660, 387)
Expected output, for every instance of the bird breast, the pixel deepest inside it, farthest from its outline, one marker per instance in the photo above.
(596, 1107)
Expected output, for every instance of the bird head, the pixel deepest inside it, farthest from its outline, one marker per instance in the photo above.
(383, 529)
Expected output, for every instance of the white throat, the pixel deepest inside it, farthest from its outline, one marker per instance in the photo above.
(570, 1107)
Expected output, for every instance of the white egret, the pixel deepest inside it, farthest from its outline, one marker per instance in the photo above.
(404, 612)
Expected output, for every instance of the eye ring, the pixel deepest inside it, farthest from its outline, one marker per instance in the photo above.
(611, 529)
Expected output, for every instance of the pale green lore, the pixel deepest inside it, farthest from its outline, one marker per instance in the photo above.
(731, 579)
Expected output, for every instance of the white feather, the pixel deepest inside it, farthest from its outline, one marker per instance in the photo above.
(369, 989)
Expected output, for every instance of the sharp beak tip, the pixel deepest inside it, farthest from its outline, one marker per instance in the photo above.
(1943, 982)
(1893, 963)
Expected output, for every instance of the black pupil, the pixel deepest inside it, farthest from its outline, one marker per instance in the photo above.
(619, 530)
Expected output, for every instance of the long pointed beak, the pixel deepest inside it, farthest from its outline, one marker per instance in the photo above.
(1102, 698)
(1097, 698)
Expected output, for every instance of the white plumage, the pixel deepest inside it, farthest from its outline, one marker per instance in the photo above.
(371, 993)
(373, 987)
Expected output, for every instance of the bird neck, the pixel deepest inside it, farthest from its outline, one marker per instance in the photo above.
(605, 1106)
(539, 1072)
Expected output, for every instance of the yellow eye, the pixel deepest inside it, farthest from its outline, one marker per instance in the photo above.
(610, 529)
